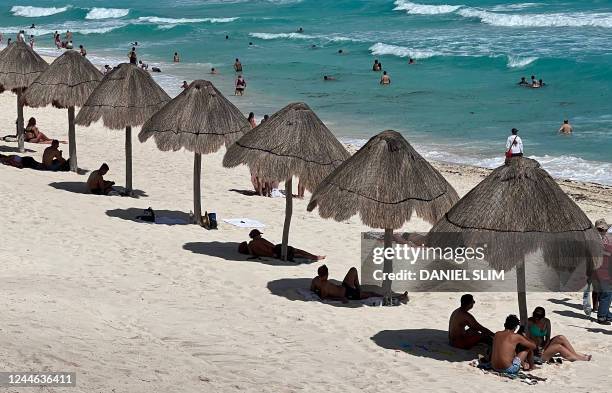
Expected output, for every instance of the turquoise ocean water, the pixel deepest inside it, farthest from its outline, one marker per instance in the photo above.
(457, 103)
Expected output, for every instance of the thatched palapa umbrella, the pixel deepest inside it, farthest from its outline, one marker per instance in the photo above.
(517, 210)
(293, 142)
(19, 66)
(201, 120)
(386, 181)
(67, 83)
(125, 98)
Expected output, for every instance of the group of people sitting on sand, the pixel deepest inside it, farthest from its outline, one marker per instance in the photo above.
(534, 83)
(518, 346)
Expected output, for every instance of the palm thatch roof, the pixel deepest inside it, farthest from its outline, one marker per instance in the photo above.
(126, 97)
(67, 82)
(200, 119)
(385, 182)
(19, 66)
(517, 210)
(292, 142)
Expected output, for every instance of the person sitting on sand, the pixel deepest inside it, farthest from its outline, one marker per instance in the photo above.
(376, 66)
(260, 247)
(52, 158)
(240, 86)
(237, 66)
(142, 65)
(385, 79)
(523, 82)
(33, 134)
(539, 331)
(566, 128)
(96, 183)
(507, 357)
(82, 50)
(463, 330)
(349, 290)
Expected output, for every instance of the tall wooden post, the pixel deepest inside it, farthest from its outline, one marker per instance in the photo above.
(288, 213)
(72, 140)
(197, 205)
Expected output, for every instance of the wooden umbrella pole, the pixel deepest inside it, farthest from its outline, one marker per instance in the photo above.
(20, 134)
(387, 268)
(72, 151)
(128, 160)
(288, 212)
(521, 291)
(197, 205)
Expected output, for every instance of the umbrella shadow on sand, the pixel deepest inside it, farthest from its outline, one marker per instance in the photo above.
(78, 187)
(428, 343)
(290, 289)
(229, 252)
(165, 217)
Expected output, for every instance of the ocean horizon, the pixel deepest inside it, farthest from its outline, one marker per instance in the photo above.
(458, 103)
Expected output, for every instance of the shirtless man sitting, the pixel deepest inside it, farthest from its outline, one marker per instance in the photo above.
(460, 319)
(260, 247)
(507, 356)
(96, 183)
(349, 290)
(52, 157)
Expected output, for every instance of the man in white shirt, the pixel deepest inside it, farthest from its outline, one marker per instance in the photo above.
(516, 143)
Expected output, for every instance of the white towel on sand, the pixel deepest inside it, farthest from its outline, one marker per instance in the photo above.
(309, 295)
(244, 222)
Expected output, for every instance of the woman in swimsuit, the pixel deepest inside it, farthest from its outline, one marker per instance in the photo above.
(240, 86)
(33, 135)
(539, 331)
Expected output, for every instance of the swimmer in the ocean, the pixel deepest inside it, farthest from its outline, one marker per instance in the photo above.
(328, 78)
(385, 79)
(213, 71)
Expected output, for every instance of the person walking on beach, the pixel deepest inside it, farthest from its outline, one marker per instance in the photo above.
(385, 79)
(566, 128)
(132, 56)
(514, 144)
(240, 86)
(68, 36)
(602, 279)
(237, 66)
(31, 41)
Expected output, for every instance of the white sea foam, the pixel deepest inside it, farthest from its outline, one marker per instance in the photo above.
(35, 12)
(173, 21)
(514, 7)
(106, 13)
(580, 19)
(520, 62)
(424, 9)
(401, 51)
(276, 36)
(81, 27)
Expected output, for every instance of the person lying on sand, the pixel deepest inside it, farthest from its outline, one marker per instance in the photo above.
(260, 247)
(96, 183)
(349, 290)
(463, 330)
(52, 158)
(33, 134)
(538, 331)
(507, 357)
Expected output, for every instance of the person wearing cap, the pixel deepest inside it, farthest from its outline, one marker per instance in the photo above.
(516, 143)
(260, 247)
(463, 330)
(602, 277)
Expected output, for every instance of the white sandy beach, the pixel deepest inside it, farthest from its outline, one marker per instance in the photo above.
(136, 307)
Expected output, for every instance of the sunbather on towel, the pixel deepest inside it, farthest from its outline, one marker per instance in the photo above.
(96, 183)
(511, 350)
(260, 247)
(463, 330)
(349, 290)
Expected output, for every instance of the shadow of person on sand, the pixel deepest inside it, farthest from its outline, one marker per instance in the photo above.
(79, 187)
(427, 343)
(14, 149)
(564, 302)
(606, 332)
(229, 252)
(244, 192)
(288, 288)
(174, 217)
(572, 314)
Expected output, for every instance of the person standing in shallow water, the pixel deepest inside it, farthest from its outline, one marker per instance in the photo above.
(515, 143)
(385, 80)
(566, 128)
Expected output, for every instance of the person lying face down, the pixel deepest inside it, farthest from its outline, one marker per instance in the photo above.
(260, 247)
(349, 290)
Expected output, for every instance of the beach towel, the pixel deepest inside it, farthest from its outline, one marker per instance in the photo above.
(10, 138)
(244, 222)
(309, 295)
(521, 376)
(171, 221)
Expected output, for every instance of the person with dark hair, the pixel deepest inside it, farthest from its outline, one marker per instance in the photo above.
(96, 183)
(132, 56)
(176, 58)
(566, 128)
(349, 290)
(240, 86)
(251, 120)
(463, 330)
(237, 66)
(184, 85)
(538, 330)
(52, 158)
(377, 66)
(523, 82)
(514, 144)
(507, 357)
(260, 247)
(33, 134)
(385, 79)
(265, 118)
(82, 50)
